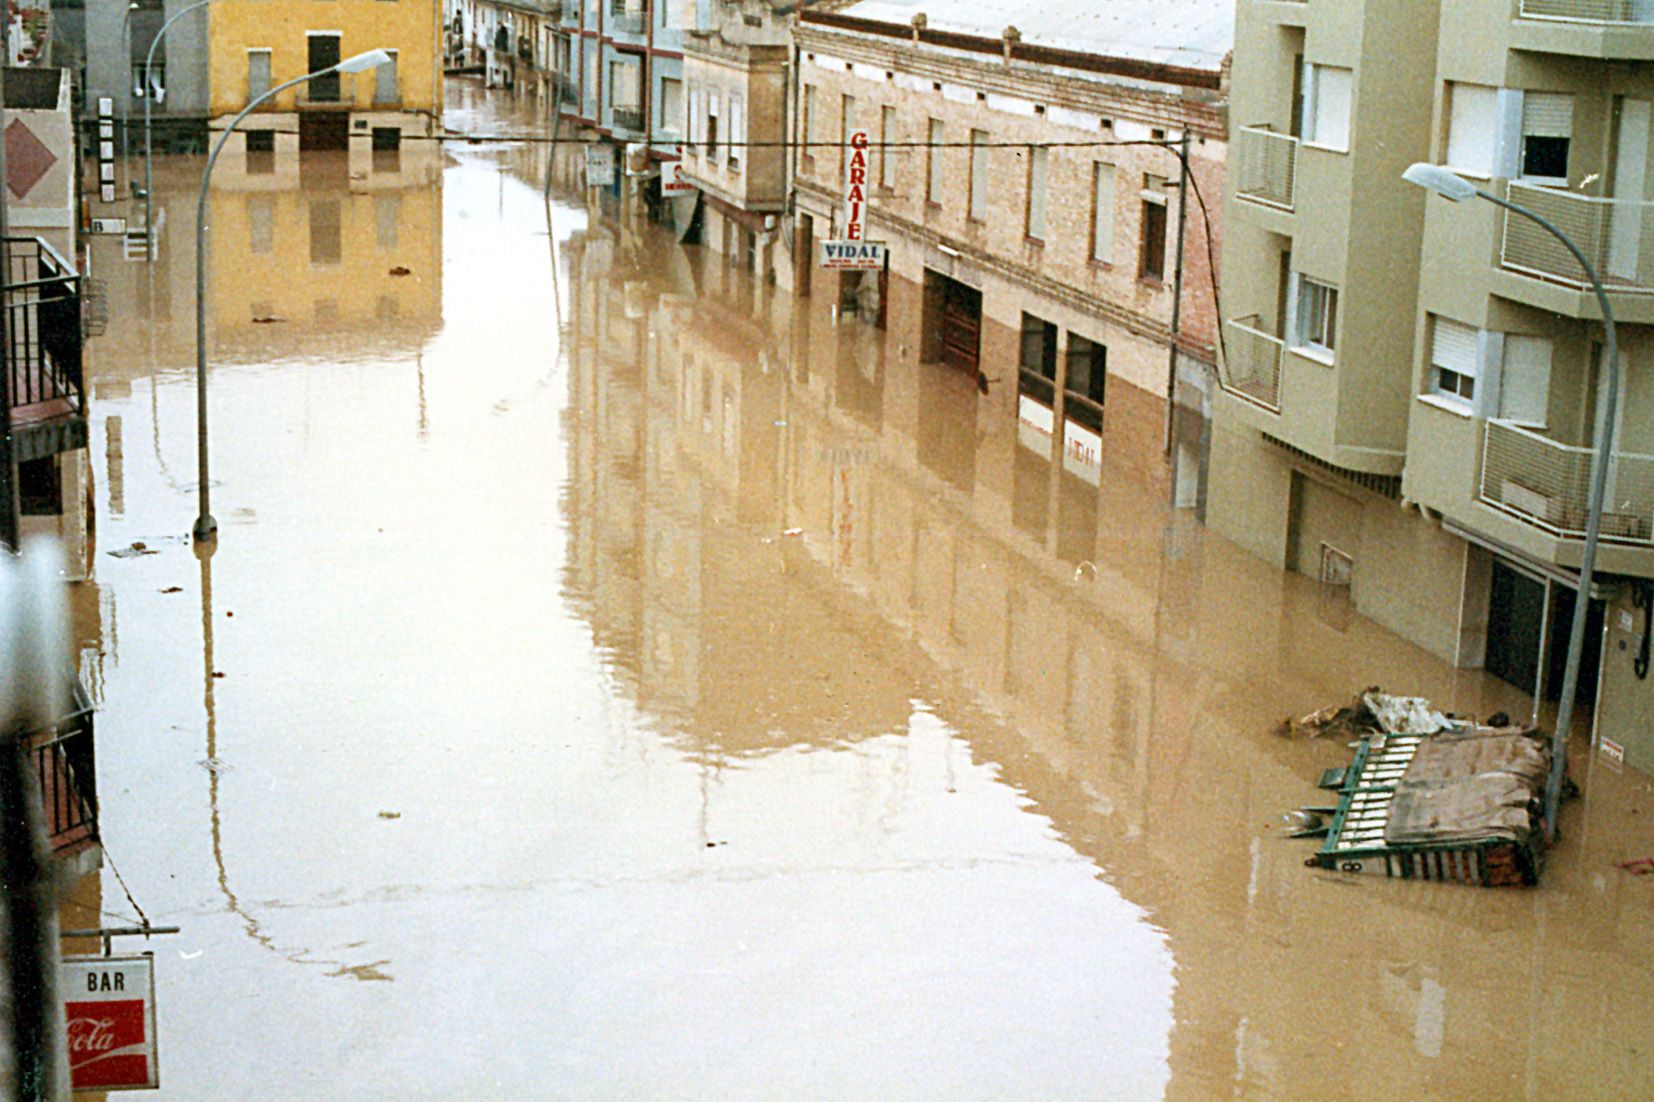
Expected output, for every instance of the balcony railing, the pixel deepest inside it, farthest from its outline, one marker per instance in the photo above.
(64, 763)
(1590, 11)
(1617, 235)
(1547, 484)
(1252, 363)
(1266, 167)
(629, 118)
(44, 339)
(626, 22)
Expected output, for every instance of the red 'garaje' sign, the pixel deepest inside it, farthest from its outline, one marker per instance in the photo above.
(855, 186)
(109, 1005)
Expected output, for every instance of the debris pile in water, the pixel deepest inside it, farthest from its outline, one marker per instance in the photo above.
(1430, 796)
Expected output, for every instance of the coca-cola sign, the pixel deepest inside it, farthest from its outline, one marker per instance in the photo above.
(109, 1009)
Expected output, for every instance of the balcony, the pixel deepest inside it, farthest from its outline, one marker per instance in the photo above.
(1252, 363)
(1612, 30)
(63, 761)
(45, 395)
(1546, 484)
(1624, 12)
(628, 118)
(1266, 167)
(626, 22)
(1616, 235)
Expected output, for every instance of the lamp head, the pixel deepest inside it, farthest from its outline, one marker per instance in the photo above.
(363, 62)
(1444, 182)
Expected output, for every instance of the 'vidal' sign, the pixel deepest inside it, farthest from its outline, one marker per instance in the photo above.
(854, 252)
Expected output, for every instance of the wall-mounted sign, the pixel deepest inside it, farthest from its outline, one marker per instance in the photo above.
(109, 225)
(600, 165)
(109, 1005)
(853, 255)
(672, 179)
(853, 251)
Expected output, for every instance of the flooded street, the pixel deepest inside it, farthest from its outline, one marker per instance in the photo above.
(618, 680)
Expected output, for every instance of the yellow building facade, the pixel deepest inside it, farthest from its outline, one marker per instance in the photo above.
(257, 45)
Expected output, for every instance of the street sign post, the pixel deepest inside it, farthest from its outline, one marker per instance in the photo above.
(109, 1006)
(853, 252)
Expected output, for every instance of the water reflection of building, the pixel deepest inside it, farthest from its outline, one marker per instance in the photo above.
(313, 245)
(1116, 665)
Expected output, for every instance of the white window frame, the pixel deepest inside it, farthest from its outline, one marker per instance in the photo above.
(1455, 362)
(1301, 318)
(1319, 91)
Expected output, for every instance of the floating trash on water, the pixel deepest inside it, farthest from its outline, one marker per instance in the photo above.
(214, 765)
(793, 532)
(173, 589)
(132, 551)
(390, 815)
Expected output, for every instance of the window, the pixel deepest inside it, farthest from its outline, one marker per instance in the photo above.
(1036, 192)
(387, 148)
(325, 235)
(693, 130)
(1083, 387)
(258, 73)
(1151, 263)
(1102, 213)
(737, 133)
(710, 134)
(385, 91)
(1472, 128)
(887, 135)
(387, 214)
(934, 162)
(1327, 94)
(847, 123)
(1525, 380)
(1547, 126)
(261, 224)
(261, 152)
(1455, 350)
(671, 104)
(1039, 360)
(810, 124)
(1317, 309)
(979, 176)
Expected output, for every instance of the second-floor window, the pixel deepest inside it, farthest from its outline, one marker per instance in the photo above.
(1316, 324)
(979, 176)
(808, 125)
(1547, 131)
(671, 104)
(1327, 91)
(1455, 355)
(1036, 192)
(737, 136)
(933, 161)
(1151, 263)
(1102, 213)
(887, 135)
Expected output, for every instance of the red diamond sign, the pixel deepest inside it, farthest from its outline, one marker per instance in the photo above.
(27, 159)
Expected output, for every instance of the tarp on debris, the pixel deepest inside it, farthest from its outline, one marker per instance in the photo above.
(1473, 785)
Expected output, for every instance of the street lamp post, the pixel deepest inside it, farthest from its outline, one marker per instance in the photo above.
(206, 527)
(149, 94)
(1450, 185)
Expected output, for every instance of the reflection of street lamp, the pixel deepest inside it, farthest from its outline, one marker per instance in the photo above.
(205, 526)
(126, 96)
(1451, 186)
(149, 94)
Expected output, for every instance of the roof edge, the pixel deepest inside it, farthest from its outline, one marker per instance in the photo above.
(1013, 50)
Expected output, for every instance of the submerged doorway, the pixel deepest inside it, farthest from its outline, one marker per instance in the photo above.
(952, 323)
(1527, 634)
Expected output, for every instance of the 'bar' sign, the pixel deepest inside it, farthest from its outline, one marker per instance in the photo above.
(109, 1005)
(854, 252)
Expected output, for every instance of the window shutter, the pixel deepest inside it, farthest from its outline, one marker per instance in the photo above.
(1455, 347)
(1471, 129)
(1331, 94)
(1526, 380)
(1548, 115)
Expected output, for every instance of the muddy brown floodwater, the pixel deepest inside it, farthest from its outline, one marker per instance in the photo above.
(618, 680)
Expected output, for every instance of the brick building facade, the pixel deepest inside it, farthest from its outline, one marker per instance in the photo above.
(1028, 193)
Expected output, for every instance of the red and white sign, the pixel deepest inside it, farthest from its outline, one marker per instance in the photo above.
(109, 1005)
(853, 251)
(672, 179)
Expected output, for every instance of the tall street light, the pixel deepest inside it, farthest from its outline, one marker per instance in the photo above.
(1450, 185)
(206, 527)
(149, 94)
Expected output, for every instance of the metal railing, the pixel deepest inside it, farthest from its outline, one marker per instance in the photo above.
(1616, 234)
(626, 22)
(1252, 363)
(64, 760)
(629, 118)
(1547, 484)
(1590, 11)
(1266, 166)
(44, 340)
